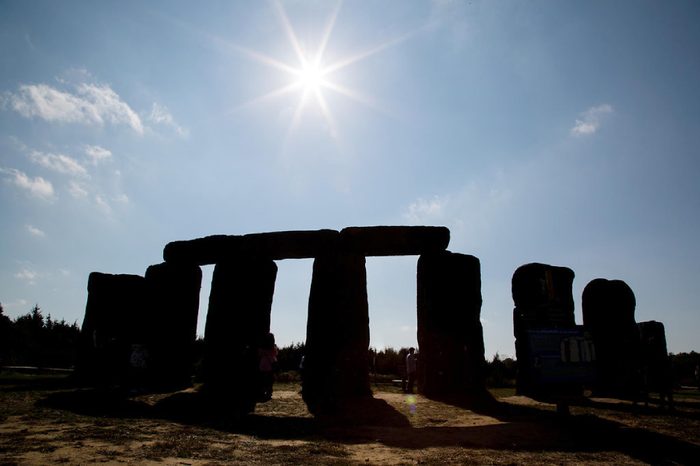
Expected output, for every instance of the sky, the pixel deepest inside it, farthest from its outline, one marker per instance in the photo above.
(566, 133)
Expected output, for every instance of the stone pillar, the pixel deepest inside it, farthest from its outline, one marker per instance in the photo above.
(174, 303)
(657, 372)
(608, 314)
(450, 336)
(113, 323)
(336, 363)
(237, 322)
(543, 299)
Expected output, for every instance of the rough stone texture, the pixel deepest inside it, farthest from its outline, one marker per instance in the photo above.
(365, 241)
(656, 364)
(112, 324)
(450, 336)
(543, 296)
(237, 321)
(608, 314)
(543, 299)
(337, 335)
(291, 244)
(394, 240)
(172, 313)
(274, 245)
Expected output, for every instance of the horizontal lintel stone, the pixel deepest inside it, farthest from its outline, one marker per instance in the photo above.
(365, 241)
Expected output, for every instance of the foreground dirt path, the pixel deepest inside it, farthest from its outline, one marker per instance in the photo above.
(44, 424)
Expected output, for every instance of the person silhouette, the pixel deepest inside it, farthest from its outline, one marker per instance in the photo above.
(411, 369)
(267, 360)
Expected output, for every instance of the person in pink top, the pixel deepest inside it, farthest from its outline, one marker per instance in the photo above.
(267, 357)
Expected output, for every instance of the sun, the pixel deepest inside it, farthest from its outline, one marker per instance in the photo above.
(310, 75)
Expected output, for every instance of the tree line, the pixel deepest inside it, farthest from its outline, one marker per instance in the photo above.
(34, 340)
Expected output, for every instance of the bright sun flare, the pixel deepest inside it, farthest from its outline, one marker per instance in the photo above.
(310, 76)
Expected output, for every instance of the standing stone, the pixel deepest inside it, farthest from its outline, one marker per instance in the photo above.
(112, 327)
(657, 374)
(337, 334)
(237, 322)
(450, 336)
(608, 314)
(543, 296)
(543, 299)
(174, 304)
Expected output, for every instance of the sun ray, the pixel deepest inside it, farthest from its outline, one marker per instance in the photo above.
(311, 76)
(326, 113)
(367, 53)
(327, 34)
(290, 32)
(261, 58)
(269, 96)
(352, 94)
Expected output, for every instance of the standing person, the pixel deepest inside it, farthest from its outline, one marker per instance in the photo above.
(411, 367)
(267, 357)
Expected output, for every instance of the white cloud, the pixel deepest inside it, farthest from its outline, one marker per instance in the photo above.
(473, 211)
(426, 211)
(77, 190)
(161, 116)
(122, 199)
(97, 154)
(110, 106)
(27, 275)
(92, 104)
(59, 163)
(590, 120)
(103, 204)
(34, 231)
(37, 187)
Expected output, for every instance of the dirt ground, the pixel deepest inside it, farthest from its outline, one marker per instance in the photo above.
(45, 420)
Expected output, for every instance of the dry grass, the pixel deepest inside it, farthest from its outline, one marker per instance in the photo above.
(44, 420)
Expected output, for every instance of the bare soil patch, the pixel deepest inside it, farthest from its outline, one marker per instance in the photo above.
(46, 420)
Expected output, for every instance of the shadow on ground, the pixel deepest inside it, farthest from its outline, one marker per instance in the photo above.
(515, 427)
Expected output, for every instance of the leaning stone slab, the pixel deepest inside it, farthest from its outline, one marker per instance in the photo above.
(274, 245)
(394, 240)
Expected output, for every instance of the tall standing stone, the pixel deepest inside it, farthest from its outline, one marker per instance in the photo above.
(608, 314)
(113, 324)
(657, 373)
(174, 303)
(543, 299)
(237, 322)
(337, 334)
(450, 336)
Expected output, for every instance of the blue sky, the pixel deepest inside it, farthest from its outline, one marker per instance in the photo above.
(556, 132)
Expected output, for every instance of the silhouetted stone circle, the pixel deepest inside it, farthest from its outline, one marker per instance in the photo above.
(157, 315)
